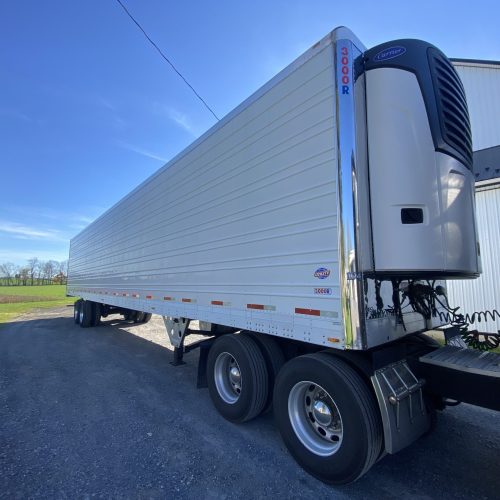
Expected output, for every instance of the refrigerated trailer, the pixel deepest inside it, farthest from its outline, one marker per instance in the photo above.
(307, 236)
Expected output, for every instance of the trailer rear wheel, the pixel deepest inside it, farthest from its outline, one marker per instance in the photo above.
(139, 316)
(237, 377)
(328, 418)
(274, 358)
(96, 314)
(86, 313)
(76, 311)
(129, 315)
(147, 317)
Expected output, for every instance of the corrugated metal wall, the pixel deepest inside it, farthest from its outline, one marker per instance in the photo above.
(483, 293)
(482, 88)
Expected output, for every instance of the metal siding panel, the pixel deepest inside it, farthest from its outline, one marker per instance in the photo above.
(483, 293)
(482, 88)
(245, 216)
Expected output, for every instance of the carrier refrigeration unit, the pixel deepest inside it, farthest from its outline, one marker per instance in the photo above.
(307, 236)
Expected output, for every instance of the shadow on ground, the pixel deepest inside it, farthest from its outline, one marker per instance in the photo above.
(100, 411)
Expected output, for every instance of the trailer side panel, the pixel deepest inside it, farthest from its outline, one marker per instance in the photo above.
(241, 230)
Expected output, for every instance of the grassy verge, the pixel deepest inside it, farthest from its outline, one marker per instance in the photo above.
(16, 300)
(49, 291)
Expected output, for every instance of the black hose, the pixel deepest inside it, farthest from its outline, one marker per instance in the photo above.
(472, 339)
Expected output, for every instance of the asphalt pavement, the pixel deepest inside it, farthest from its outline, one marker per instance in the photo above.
(101, 413)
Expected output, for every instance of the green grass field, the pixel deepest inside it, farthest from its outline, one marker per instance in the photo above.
(15, 300)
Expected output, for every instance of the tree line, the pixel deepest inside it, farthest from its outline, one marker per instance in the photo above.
(35, 272)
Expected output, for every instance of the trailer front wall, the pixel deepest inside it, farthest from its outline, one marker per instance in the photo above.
(241, 228)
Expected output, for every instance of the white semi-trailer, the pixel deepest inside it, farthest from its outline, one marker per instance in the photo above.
(307, 233)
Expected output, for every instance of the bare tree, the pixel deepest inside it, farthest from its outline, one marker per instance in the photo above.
(39, 273)
(24, 274)
(49, 270)
(8, 271)
(63, 271)
(33, 268)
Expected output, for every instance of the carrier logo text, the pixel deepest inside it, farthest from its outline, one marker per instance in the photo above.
(322, 273)
(390, 53)
(322, 291)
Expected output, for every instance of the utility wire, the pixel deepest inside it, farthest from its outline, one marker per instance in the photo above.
(167, 59)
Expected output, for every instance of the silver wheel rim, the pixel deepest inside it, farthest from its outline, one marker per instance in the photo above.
(227, 376)
(80, 313)
(315, 418)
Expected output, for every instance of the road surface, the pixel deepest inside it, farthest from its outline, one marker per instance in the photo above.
(100, 412)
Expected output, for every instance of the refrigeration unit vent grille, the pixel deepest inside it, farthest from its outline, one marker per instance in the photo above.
(453, 115)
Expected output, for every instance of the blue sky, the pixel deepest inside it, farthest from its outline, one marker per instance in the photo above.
(88, 109)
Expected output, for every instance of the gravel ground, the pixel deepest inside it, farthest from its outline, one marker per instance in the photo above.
(100, 412)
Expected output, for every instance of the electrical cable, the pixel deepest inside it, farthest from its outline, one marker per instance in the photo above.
(423, 299)
(167, 59)
(471, 338)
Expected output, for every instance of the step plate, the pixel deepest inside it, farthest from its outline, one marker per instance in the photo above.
(465, 360)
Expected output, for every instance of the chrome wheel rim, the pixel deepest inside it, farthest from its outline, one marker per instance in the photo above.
(315, 418)
(227, 376)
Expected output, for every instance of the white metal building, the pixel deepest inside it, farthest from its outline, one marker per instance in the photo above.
(481, 80)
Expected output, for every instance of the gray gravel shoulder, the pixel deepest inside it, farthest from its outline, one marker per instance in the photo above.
(101, 413)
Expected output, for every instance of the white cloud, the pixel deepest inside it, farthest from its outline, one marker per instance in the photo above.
(26, 231)
(183, 120)
(61, 216)
(142, 151)
(82, 218)
(105, 103)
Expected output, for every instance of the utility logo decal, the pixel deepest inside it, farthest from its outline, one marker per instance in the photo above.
(322, 273)
(389, 53)
(323, 291)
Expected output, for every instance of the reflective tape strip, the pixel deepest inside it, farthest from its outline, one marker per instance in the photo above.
(316, 312)
(135, 295)
(261, 307)
(220, 303)
(149, 296)
(125, 294)
(168, 298)
(189, 300)
(310, 312)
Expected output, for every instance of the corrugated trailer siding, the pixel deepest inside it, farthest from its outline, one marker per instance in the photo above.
(483, 293)
(482, 88)
(245, 217)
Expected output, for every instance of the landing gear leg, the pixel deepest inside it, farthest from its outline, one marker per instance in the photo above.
(176, 331)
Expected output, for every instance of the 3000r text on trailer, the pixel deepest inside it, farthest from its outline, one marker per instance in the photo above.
(307, 233)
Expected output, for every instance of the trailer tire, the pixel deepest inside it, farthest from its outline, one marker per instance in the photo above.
(96, 314)
(139, 316)
(130, 315)
(147, 317)
(76, 311)
(327, 417)
(237, 377)
(86, 314)
(274, 358)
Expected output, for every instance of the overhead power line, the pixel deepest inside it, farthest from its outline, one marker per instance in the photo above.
(167, 59)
